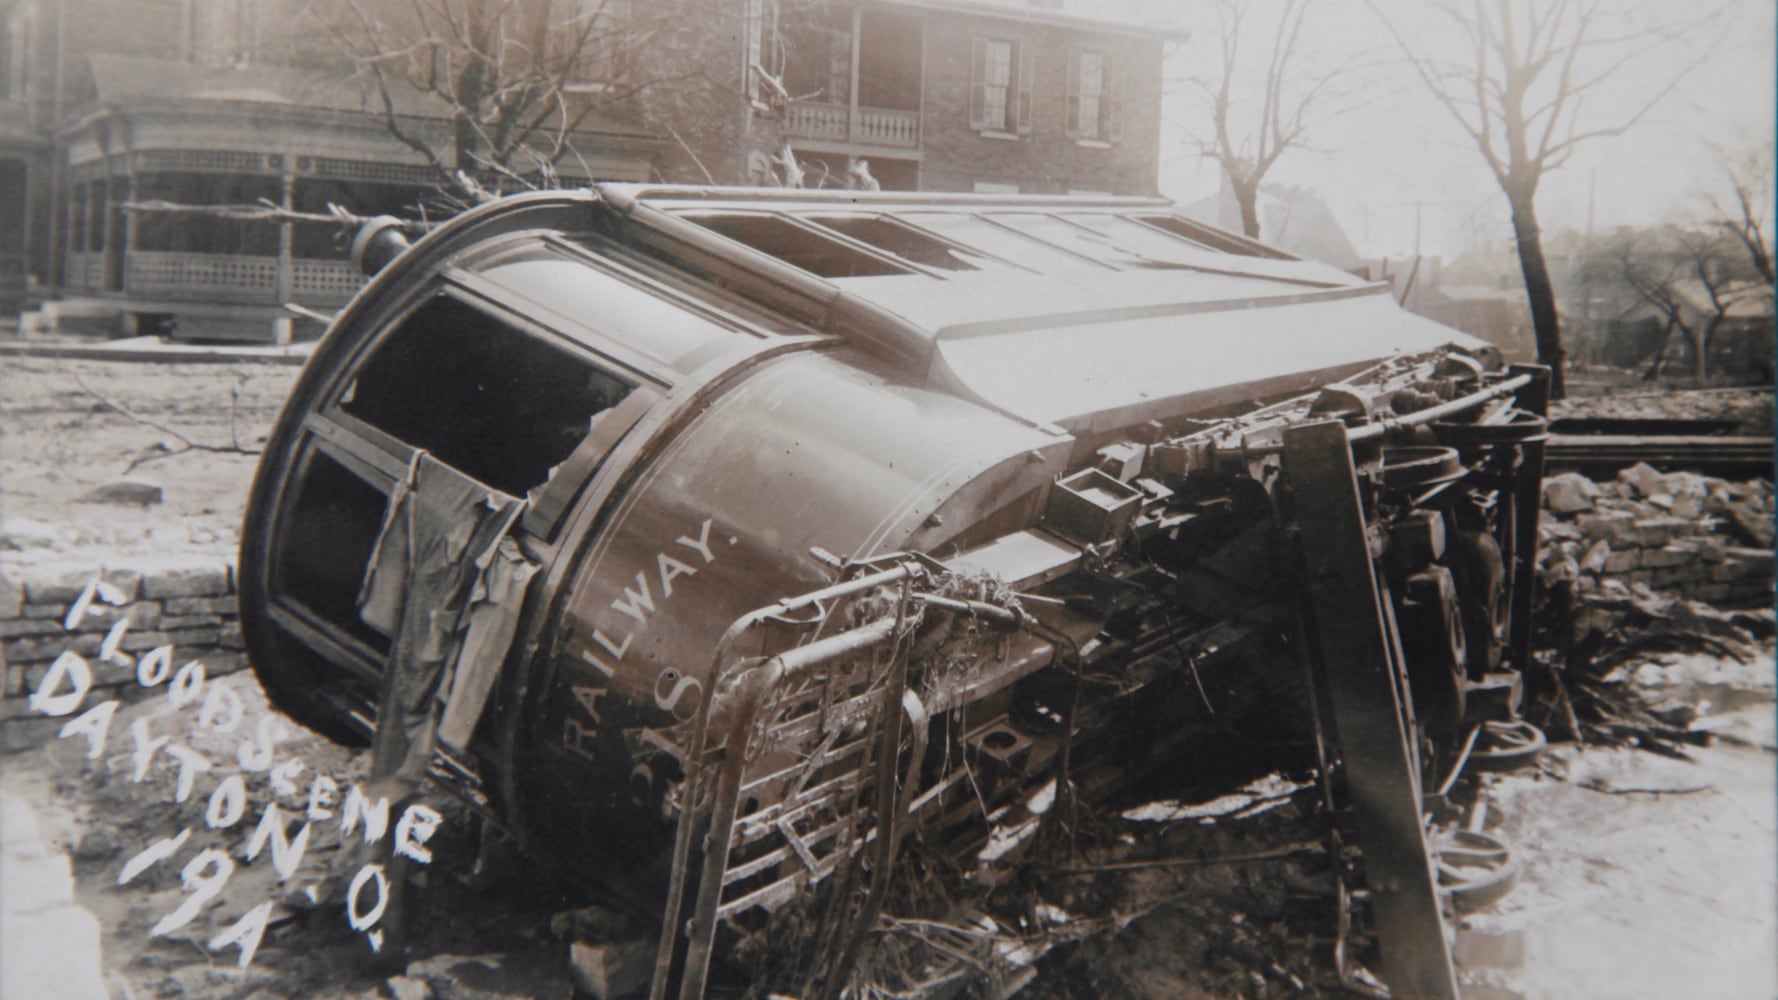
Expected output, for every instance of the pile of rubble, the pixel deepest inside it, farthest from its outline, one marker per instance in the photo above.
(1678, 533)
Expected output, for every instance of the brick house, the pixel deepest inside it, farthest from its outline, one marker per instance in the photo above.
(111, 103)
(108, 103)
(934, 95)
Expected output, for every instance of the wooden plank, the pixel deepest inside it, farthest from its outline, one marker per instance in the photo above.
(1354, 636)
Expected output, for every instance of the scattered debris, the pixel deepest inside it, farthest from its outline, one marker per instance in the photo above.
(126, 490)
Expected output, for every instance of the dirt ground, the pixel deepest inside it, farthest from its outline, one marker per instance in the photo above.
(1641, 876)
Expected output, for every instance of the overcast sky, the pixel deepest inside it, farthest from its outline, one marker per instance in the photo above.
(1401, 152)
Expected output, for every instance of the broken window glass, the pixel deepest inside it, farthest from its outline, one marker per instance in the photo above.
(493, 401)
(903, 241)
(1007, 244)
(799, 246)
(1211, 237)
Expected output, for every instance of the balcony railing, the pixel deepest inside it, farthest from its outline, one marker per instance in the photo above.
(239, 277)
(236, 276)
(324, 282)
(837, 123)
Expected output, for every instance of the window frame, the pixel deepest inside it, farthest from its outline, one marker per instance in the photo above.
(1106, 125)
(1021, 78)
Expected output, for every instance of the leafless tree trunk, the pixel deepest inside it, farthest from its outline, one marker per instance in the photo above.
(1518, 93)
(1750, 181)
(518, 78)
(1247, 138)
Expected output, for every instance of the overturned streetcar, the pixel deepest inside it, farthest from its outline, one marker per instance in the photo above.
(722, 544)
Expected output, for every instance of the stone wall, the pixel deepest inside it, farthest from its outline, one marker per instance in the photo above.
(1680, 533)
(131, 606)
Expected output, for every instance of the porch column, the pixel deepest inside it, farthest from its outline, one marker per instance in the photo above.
(129, 231)
(286, 277)
(106, 236)
(66, 265)
(852, 91)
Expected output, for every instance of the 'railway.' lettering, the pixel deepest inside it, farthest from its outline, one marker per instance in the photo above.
(638, 603)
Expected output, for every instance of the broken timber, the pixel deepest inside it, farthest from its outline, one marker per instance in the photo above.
(1361, 670)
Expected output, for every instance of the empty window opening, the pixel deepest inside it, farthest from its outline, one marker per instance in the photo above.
(909, 244)
(497, 403)
(1004, 243)
(326, 545)
(1073, 238)
(798, 246)
(1211, 237)
(1140, 239)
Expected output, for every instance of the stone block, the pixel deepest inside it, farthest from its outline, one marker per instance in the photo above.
(50, 647)
(12, 596)
(1598, 554)
(1623, 562)
(59, 582)
(1656, 532)
(1669, 577)
(1667, 555)
(1615, 526)
(229, 636)
(1754, 560)
(55, 612)
(26, 734)
(19, 628)
(223, 606)
(174, 622)
(101, 617)
(1703, 548)
(183, 575)
(189, 637)
(220, 662)
(1710, 591)
(1569, 493)
(1643, 478)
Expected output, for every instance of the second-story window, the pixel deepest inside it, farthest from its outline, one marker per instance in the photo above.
(594, 44)
(1001, 76)
(1093, 110)
(221, 33)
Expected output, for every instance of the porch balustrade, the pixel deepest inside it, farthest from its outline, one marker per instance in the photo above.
(238, 277)
(839, 123)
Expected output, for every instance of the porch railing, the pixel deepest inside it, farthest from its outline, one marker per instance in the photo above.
(324, 282)
(837, 123)
(236, 276)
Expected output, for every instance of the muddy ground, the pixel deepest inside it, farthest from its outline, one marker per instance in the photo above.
(1641, 876)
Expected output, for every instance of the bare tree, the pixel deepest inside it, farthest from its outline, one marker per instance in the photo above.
(1750, 185)
(1248, 136)
(517, 78)
(1519, 90)
(1692, 277)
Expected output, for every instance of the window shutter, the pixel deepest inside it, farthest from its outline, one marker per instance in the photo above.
(978, 84)
(1114, 104)
(1071, 122)
(1027, 79)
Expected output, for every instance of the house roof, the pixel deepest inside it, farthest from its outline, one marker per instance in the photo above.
(123, 80)
(1131, 17)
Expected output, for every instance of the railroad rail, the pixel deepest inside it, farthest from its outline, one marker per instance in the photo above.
(1730, 457)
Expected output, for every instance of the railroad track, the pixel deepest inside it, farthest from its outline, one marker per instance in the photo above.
(1729, 457)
